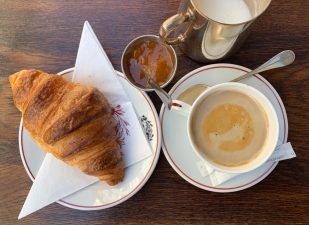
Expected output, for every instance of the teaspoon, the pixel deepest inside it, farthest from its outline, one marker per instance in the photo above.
(163, 95)
(282, 59)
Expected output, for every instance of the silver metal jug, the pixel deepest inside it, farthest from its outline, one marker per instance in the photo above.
(211, 30)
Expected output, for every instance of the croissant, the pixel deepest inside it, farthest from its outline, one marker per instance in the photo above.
(73, 122)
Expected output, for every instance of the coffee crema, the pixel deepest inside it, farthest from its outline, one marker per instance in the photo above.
(229, 128)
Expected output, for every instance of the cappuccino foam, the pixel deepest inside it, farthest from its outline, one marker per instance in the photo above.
(229, 128)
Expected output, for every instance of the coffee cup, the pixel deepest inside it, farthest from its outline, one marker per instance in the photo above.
(231, 126)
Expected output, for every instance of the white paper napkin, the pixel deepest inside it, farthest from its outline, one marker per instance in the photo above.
(282, 152)
(94, 68)
(56, 179)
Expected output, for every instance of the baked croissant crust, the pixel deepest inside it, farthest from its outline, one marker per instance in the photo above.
(72, 121)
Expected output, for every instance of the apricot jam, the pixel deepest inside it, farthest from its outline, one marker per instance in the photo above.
(150, 59)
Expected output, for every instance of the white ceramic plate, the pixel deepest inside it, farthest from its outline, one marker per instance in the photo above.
(176, 146)
(100, 195)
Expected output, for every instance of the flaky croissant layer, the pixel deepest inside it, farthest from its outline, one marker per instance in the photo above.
(73, 122)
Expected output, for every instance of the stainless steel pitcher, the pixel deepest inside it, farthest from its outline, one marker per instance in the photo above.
(211, 30)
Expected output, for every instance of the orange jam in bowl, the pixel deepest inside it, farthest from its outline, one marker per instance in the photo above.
(150, 58)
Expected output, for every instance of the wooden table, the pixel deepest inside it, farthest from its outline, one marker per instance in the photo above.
(45, 35)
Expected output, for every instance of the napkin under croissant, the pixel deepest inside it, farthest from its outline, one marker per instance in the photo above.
(72, 121)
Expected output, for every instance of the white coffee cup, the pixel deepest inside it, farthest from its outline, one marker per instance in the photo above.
(273, 125)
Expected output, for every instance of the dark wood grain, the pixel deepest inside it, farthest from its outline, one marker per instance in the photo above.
(45, 35)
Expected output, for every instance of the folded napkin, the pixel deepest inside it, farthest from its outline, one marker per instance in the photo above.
(56, 179)
(282, 152)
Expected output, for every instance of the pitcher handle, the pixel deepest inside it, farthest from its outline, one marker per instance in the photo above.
(171, 24)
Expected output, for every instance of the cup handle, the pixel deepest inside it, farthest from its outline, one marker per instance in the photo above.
(171, 24)
(181, 108)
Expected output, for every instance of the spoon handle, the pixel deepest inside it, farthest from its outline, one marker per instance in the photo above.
(283, 58)
(165, 98)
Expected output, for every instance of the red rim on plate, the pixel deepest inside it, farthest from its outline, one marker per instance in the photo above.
(255, 180)
(139, 186)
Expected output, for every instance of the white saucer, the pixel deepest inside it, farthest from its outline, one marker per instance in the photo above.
(100, 195)
(176, 146)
